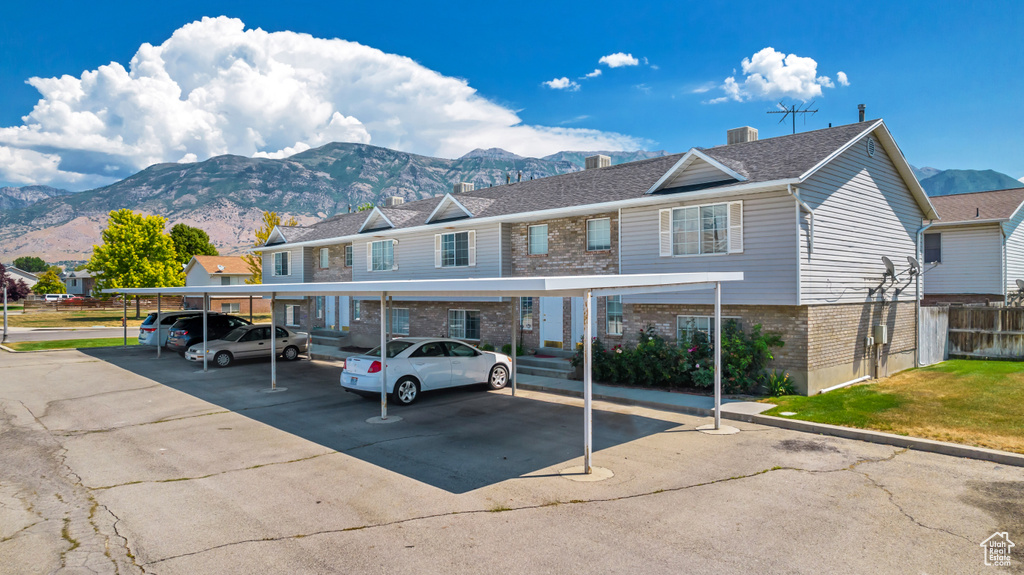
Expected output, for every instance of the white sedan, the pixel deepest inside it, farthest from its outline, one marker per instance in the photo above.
(423, 364)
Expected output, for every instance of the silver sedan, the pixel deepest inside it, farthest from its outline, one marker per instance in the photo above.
(250, 341)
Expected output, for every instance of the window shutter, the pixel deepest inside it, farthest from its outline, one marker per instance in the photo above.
(369, 256)
(472, 248)
(437, 250)
(735, 227)
(394, 254)
(665, 217)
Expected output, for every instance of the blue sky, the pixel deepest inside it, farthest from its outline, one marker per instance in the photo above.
(947, 78)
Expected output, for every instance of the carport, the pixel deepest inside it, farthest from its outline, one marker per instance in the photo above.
(586, 287)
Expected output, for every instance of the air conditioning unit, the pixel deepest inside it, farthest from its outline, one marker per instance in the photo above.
(394, 201)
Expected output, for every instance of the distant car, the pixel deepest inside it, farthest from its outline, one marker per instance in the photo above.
(187, 332)
(250, 341)
(52, 297)
(425, 364)
(147, 331)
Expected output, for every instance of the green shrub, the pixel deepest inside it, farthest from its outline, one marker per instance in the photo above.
(486, 347)
(778, 384)
(507, 349)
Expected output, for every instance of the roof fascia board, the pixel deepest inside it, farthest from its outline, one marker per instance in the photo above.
(191, 263)
(1015, 212)
(685, 162)
(942, 224)
(582, 209)
(448, 199)
(376, 211)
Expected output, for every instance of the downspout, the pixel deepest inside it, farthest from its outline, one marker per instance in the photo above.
(1005, 271)
(917, 292)
(803, 205)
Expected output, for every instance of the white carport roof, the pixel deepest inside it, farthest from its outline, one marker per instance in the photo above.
(558, 286)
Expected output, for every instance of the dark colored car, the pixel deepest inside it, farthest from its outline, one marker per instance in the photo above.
(189, 331)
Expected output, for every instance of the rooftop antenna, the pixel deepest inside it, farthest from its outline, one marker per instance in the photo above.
(792, 111)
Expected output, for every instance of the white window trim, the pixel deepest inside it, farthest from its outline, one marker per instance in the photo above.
(470, 246)
(532, 313)
(321, 257)
(529, 243)
(394, 256)
(408, 325)
(730, 227)
(349, 256)
(356, 309)
(622, 317)
(296, 315)
(711, 322)
(586, 234)
(463, 336)
(319, 304)
(286, 256)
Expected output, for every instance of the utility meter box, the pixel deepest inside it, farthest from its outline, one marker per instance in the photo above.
(869, 341)
(881, 334)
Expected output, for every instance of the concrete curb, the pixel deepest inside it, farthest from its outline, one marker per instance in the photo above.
(880, 437)
(9, 350)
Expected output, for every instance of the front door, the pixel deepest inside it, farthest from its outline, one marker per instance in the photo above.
(551, 322)
(343, 305)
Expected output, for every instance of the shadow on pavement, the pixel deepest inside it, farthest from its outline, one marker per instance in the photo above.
(457, 440)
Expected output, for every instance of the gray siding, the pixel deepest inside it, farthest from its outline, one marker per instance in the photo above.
(698, 172)
(972, 261)
(863, 210)
(295, 267)
(415, 256)
(768, 259)
(1015, 252)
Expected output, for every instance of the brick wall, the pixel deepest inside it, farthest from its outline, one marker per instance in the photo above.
(430, 319)
(567, 249)
(279, 315)
(336, 271)
(838, 333)
(259, 305)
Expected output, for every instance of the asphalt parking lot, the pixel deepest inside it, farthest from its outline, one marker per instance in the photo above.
(114, 462)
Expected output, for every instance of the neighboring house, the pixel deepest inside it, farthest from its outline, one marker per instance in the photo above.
(806, 217)
(29, 278)
(79, 282)
(975, 253)
(221, 271)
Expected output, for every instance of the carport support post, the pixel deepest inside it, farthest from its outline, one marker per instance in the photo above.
(588, 381)
(250, 309)
(383, 357)
(718, 355)
(158, 326)
(5, 315)
(124, 318)
(516, 315)
(206, 332)
(273, 345)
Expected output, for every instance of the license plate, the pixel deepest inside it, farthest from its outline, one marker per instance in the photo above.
(355, 379)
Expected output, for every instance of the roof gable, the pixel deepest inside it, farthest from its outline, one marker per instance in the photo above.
(219, 265)
(375, 221)
(449, 209)
(276, 237)
(694, 168)
(978, 206)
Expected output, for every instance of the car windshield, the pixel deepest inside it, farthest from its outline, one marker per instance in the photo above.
(235, 334)
(394, 348)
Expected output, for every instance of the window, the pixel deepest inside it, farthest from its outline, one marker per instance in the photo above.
(348, 256)
(74, 283)
(429, 349)
(325, 256)
(688, 325)
(700, 230)
(463, 324)
(318, 303)
(225, 280)
(400, 321)
(356, 309)
(599, 234)
(230, 307)
(455, 250)
(613, 313)
(537, 238)
(932, 248)
(292, 315)
(526, 313)
(382, 255)
(281, 264)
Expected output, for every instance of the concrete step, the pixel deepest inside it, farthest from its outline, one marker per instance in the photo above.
(328, 332)
(548, 362)
(328, 353)
(555, 352)
(544, 372)
(327, 340)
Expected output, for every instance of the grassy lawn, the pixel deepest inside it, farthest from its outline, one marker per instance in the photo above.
(70, 343)
(961, 401)
(90, 318)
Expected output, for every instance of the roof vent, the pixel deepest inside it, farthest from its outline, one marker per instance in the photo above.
(391, 201)
(598, 161)
(740, 135)
(463, 187)
(861, 108)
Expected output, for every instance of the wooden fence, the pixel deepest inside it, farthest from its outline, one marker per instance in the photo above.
(112, 304)
(986, 332)
(934, 345)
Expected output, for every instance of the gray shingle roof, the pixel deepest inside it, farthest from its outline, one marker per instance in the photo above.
(995, 205)
(765, 160)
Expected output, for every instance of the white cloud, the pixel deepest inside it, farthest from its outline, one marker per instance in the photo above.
(214, 87)
(618, 59)
(704, 88)
(1021, 180)
(594, 74)
(562, 83)
(769, 75)
(842, 79)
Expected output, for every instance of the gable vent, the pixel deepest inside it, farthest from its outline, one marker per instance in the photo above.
(598, 161)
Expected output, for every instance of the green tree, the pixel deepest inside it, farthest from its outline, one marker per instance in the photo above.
(255, 261)
(136, 253)
(364, 207)
(189, 241)
(49, 282)
(30, 264)
(16, 289)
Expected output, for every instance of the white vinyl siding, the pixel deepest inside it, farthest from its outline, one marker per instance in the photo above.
(455, 250)
(537, 237)
(599, 234)
(400, 321)
(464, 324)
(380, 256)
(697, 172)
(972, 261)
(1015, 252)
(767, 256)
(296, 268)
(863, 210)
(613, 315)
(416, 257)
(292, 315)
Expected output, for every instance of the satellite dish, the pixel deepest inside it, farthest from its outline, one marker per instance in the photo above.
(890, 270)
(220, 268)
(915, 266)
(1020, 285)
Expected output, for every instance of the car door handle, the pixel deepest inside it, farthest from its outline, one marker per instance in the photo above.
(261, 343)
(420, 363)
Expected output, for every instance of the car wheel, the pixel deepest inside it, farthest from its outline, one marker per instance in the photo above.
(498, 378)
(291, 353)
(222, 359)
(406, 391)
